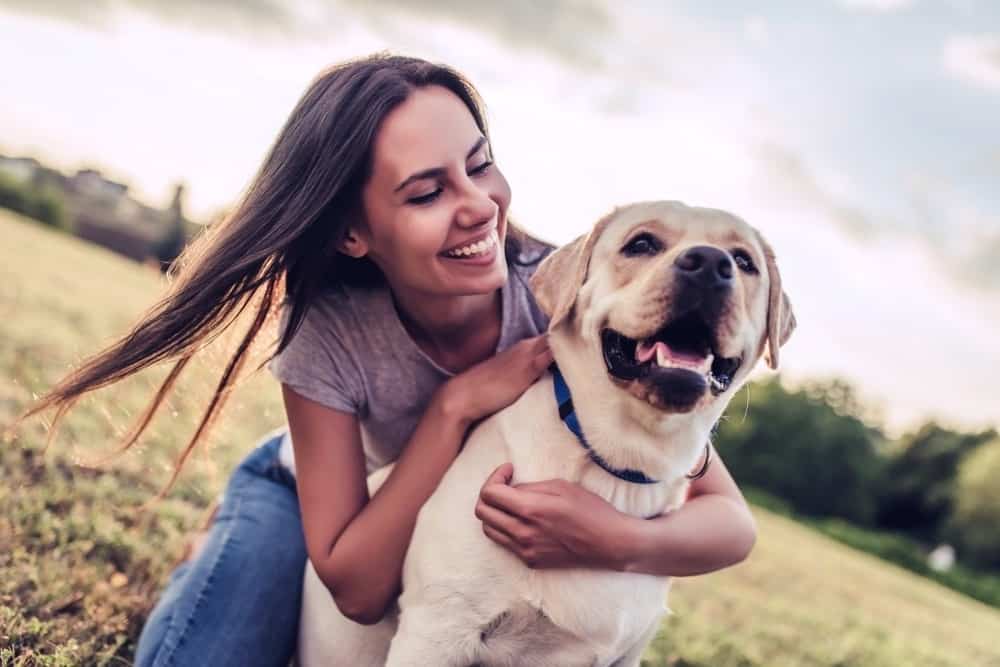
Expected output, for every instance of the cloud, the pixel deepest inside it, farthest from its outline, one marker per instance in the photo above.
(787, 175)
(963, 240)
(757, 30)
(974, 59)
(879, 6)
(572, 30)
(261, 15)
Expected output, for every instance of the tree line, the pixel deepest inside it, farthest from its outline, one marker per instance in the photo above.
(811, 448)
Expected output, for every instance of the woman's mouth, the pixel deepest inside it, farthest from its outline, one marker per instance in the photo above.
(477, 252)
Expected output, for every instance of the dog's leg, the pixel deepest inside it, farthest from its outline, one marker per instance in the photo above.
(428, 636)
(327, 637)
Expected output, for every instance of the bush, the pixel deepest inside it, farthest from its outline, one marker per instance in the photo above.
(918, 487)
(798, 447)
(48, 208)
(43, 204)
(976, 517)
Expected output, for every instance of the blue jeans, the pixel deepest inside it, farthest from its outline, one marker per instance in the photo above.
(238, 602)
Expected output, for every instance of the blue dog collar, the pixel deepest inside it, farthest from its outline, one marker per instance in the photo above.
(568, 415)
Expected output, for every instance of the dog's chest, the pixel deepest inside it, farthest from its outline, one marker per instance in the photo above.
(609, 610)
(572, 618)
(551, 451)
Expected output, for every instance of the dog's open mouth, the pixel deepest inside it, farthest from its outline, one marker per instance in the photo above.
(684, 343)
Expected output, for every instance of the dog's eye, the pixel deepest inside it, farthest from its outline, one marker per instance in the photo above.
(643, 244)
(744, 261)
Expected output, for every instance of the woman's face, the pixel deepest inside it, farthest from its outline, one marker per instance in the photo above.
(435, 206)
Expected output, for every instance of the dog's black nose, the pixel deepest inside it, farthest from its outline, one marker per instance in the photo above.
(705, 266)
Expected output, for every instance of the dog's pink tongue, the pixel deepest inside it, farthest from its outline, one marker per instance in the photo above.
(644, 352)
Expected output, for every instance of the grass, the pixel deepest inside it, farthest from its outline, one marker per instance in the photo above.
(892, 547)
(80, 563)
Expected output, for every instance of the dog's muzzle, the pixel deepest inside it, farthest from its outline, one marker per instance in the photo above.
(682, 358)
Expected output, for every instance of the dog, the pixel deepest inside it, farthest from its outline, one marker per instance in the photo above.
(657, 317)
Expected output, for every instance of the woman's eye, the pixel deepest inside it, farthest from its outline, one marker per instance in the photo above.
(743, 261)
(424, 199)
(644, 244)
(481, 168)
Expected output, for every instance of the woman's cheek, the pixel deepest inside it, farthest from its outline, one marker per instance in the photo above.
(427, 232)
(503, 193)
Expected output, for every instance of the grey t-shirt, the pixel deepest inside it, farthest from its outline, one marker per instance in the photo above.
(353, 354)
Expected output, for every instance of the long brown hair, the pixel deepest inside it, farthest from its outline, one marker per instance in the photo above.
(278, 246)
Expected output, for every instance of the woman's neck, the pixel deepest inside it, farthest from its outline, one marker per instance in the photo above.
(455, 331)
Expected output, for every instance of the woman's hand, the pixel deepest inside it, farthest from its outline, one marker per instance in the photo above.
(494, 384)
(550, 524)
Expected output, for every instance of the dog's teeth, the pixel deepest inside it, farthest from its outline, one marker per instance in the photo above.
(661, 356)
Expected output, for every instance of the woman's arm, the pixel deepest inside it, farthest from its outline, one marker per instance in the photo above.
(712, 530)
(355, 543)
(560, 524)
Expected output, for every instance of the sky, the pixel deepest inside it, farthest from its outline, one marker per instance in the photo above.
(860, 136)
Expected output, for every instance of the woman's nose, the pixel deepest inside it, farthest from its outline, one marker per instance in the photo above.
(476, 207)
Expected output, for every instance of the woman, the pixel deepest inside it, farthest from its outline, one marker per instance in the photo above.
(381, 220)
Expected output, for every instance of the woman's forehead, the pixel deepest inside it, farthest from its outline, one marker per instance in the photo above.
(430, 129)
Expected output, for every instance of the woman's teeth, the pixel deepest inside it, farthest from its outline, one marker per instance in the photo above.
(473, 249)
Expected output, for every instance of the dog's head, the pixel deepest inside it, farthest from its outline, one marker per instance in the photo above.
(679, 302)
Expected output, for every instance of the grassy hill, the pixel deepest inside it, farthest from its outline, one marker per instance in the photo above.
(81, 562)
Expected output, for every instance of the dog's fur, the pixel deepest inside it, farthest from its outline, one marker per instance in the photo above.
(468, 601)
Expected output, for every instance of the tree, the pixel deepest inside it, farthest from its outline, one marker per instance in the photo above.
(976, 517)
(918, 487)
(44, 204)
(797, 446)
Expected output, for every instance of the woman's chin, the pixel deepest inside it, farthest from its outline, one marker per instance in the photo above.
(485, 280)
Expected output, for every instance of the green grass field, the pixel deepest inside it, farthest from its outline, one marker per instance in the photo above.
(80, 562)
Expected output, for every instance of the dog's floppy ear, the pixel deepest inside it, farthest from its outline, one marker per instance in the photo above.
(559, 277)
(780, 317)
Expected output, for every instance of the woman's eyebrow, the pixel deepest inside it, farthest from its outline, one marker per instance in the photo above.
(438, 171)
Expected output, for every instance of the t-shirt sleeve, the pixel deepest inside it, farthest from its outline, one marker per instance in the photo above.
(317, 365)
(523, 273)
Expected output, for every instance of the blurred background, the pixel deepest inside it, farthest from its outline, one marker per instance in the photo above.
(860, 136)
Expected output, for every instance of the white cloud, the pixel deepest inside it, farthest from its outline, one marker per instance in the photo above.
(881, 6)
(756, 30)
(974, 59)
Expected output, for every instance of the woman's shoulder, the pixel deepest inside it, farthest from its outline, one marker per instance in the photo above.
(339, 312)
(323, 359)
(527, 318)
(528, 254)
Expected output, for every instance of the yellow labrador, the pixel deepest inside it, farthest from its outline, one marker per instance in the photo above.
(657, 317)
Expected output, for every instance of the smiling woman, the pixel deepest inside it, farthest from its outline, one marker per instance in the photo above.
(376, 225)
(381, 183)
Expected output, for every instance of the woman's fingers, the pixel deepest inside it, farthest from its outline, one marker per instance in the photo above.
(510, 500)
(501, 506)
(497, 492)
(500, 538)
(543, 359)
(498, 520)
(502, 475)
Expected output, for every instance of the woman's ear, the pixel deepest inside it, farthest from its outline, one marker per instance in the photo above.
(353, 244)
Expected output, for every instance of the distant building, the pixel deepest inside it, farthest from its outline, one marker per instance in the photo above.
(102, 211)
